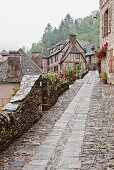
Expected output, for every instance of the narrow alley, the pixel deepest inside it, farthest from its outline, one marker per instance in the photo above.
(76, 133)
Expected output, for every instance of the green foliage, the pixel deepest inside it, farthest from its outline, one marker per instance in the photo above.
(104, 76)
(15, 91)
(35, 47)
(77, 67)
(86, 29)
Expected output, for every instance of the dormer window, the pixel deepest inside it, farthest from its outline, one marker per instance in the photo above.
(58, 47)
(93, 49)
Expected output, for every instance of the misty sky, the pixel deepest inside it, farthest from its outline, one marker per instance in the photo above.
(22, 22)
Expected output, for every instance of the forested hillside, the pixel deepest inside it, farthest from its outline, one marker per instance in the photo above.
(85, 28)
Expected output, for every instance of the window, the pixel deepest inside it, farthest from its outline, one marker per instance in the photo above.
(60, 66)
(111, 61)
(106, 22)
(51, 60)
(56, 69)
(59, 47)
(56, 58)
(48, 62)
(89, 59)
(93, 49)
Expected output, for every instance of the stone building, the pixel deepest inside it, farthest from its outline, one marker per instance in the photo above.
(63, 55)
(107, 35)
(13, 67)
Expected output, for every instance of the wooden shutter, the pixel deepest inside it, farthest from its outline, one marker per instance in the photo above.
(109, 19)
(103, 25)
(111, 61)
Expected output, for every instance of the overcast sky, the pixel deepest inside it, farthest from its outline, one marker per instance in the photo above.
(22, 22)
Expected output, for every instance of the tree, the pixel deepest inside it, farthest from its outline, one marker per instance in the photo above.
(86, 29)
(48, 28)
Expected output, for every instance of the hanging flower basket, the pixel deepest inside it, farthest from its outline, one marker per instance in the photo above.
(102, 52)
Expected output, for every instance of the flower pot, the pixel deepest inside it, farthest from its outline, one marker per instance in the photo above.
(104, 81)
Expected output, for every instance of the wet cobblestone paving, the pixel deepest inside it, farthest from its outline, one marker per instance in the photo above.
(75, 134)
(20, 152)
(98, 147)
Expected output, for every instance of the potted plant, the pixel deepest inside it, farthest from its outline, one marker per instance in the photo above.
(104, 77)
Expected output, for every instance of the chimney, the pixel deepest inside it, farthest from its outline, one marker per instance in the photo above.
(37, 58)
(72, 39)
(14, 65)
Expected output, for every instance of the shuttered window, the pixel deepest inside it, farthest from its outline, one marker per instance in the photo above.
(111, 61)
(109, 19)
(103, 25)
(106, 22)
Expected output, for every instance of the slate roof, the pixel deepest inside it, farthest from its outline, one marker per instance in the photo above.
(64, 43)
(4, 52)
(26, 59)
(90, 48)
(82, 43)
(74, 50)
(28, 67)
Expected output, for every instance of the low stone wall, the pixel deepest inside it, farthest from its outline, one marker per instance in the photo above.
(83, 74)
(51, 93)
(22, 112)
(25, 108)
(91, 66)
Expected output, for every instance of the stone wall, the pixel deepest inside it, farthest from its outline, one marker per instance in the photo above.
(25, 108)
(22, 112)
(51, 93)
(91, 66)
(104, 5)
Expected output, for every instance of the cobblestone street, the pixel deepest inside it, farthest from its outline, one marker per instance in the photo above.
(76, 133)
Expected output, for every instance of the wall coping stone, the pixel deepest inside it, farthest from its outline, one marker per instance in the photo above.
(11, 107)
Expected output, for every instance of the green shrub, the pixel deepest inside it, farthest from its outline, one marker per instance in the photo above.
(104, 75)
